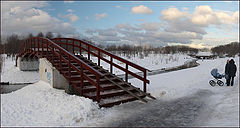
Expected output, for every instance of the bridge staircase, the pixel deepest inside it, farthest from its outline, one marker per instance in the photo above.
(88, 78)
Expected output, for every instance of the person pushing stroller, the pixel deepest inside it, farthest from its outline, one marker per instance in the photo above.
(230, 72)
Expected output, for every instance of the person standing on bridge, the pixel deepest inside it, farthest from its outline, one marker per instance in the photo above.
(230, 70)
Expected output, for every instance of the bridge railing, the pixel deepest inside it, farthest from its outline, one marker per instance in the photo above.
(79, 46)
(44, 47)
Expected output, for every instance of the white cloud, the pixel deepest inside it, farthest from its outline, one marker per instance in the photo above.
(204, 15)
(199, 46)
(73, 18)
(152, 26)
(145, 33)
(23, 18)
(193, 45)
(176, 26)
(172, 13)
(141, 9)
(236, 17)
(68, 1)
(100, 16)
(127, 27)
(70, 10)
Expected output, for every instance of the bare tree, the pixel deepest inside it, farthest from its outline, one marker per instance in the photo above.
(230, 49)
(49, 35)
(40, 34)
(30, 35)
(59, 35)
(12, 45)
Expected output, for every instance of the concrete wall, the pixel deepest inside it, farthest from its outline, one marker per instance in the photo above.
(51, 75)
(25, 64)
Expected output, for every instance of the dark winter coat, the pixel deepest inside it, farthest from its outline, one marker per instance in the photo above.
(226, 68)
(231, 68)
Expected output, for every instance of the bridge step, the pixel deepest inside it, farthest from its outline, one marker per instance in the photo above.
(108, 86)
(118, 100)
(102, 81)
(108, 93)
(115, 90)
(112, 94)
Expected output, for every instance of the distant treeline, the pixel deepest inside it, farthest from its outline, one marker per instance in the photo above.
(231, 49)
(162, 50)
(12, 43)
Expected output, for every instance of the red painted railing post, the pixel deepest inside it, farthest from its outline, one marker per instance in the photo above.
(59, 41)
(66, 44)
(81, 83)
(69, 68)
(60, 61)
(47, 50)
(111, 66)
(52, 55)
(42, 47)
(98, 89)
(80, 49)
(38, 45)
(34, 44)
(73, 47)
(98, 57)
(31, 44)
(126, 74)
(144, 82)
(88, 52)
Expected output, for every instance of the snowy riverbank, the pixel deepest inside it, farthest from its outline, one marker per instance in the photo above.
(184, 98)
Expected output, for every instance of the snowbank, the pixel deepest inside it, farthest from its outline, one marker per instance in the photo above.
(40, 105)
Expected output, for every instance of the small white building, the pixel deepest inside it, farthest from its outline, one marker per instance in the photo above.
(205, 55)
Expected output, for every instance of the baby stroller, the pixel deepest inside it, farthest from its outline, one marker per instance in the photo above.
(217, 77)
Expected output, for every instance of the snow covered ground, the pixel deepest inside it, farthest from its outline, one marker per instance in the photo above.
(12, 74)
(223, 104)
(184, 98)
(151, 61)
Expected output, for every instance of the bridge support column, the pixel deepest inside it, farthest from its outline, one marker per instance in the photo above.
(25, 64)
(51, 75)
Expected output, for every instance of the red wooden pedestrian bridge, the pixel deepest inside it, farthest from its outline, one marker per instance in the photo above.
(89, 79)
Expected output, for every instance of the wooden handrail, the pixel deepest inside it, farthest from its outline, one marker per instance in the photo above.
(41, 44)
(103, 51)
(112, 56)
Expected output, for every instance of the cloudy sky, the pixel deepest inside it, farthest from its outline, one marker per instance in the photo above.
(159, 23)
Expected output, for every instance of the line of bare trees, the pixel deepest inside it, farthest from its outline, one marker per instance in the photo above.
(12, 43)
(231, 49)
(159, 50)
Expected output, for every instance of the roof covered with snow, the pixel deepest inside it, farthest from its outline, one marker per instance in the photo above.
(204, 54)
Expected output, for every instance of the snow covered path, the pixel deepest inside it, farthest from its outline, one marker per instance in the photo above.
(179, 112)
(184, 98)
(222, 106)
